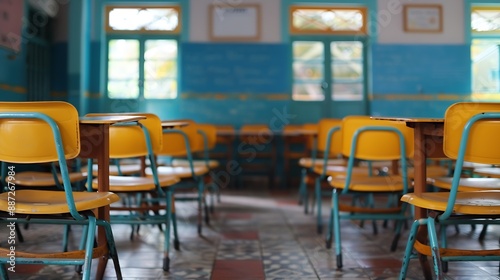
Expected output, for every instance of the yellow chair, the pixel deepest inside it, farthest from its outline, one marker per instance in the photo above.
(470, 134)
(142, 139)
(178, 143)
(38, 132)
(370, 140)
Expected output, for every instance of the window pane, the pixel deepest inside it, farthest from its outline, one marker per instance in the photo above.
(160, 88)
(347, 71)
(123, 70)
(485, 20)
(123, 49)
(123, 89)
(485, 66)
(148, 19)
(347, 50)
(347, 92)
(307, 71)
(308, 51)
(328, 20)
(308, 92)
(160, 69)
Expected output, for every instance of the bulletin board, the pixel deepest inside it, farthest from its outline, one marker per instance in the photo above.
(11, 15)
(234, 23)
(423, 18)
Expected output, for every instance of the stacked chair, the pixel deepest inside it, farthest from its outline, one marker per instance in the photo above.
(470, 135)
(357, 197)
(46, 132)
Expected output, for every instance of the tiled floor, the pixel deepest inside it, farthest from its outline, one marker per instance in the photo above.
(256, 234)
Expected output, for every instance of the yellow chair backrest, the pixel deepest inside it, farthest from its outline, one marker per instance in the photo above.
(31, 140)
(210, 131)
(175, 143)
(482, 144)
(375, 145)
(324, 126)
(126, 141)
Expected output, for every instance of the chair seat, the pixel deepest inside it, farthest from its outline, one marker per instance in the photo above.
(476, 202)
(179, 171)
(370, 184)
(126, 169)
(341, 171)
(468, 184)
(488, 172)
(54, 202)
(308, 162)
(45, 179)
(136, 184)
(212, 164)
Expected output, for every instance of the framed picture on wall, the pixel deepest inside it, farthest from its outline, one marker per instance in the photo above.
(234, 23)
(423, 18)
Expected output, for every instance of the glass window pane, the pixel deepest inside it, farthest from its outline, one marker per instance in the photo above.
(308, 92)
(347, 50)
(160, 69)
(308, 51)
(160, 49)
(123, 49)
(146, 19)
(328, 20)
(307, 71)
(160, 88)
(485, 66)
(123, 70)
(123, 89)
(347, 71)
(485, 20)
(347, 92)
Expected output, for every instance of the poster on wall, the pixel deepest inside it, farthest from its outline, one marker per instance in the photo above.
(11, 16)
(235, 23)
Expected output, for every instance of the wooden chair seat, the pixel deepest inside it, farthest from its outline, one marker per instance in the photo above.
(370, 184)
(476, 202)
(53, 202)
(45, 179)
(310, 162)
(341, 171)
(136, 184)
(493, 172)
(431, 171)
(468, 184)
(212, 164)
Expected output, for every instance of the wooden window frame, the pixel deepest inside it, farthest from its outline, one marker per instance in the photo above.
(296, 31)
(110, 30)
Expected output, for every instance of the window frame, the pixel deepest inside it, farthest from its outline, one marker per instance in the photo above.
(295, 31)
(110, 30)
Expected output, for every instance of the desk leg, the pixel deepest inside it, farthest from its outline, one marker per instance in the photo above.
(95, 144)
(420, 185)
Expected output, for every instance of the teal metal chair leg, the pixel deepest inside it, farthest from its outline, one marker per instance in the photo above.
(302, 186)
(336, 227)
(444, 244)
(200, 205)
(329, 235)
(409, 249)
(166, 244)
(317, 191)
(65, 238)
(433, 243)
(111, 247)
(81, 246)
(88, 247)
(176, 235)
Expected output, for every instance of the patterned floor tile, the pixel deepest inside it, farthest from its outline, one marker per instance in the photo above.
(238, 250)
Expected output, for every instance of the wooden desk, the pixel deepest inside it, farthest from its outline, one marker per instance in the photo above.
(428, 143)
(94, 141)
(174, 124)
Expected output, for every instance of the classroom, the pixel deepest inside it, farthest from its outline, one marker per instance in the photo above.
(249, 139)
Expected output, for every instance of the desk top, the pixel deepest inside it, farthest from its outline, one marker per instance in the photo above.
(173, 124)
(109, 119)
(411, 120)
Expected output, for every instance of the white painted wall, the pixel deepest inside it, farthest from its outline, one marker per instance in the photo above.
(270, 16)
(390, 23)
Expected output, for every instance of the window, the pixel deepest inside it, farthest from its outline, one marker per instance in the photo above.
(142, 52)
(328, 20)
(485, 49)
(328, 53)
